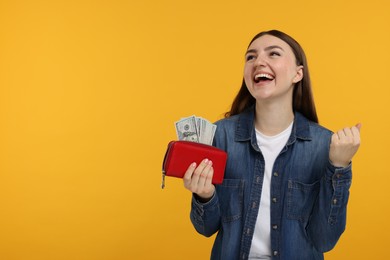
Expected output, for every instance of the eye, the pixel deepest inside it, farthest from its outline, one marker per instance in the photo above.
(274, 53)
(250, 57)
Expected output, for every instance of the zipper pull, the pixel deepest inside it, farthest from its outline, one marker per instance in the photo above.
(163, 180)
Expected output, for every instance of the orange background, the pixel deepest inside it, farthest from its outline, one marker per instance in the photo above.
(90, 91)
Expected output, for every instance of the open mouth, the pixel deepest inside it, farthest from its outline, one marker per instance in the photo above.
(263, 77)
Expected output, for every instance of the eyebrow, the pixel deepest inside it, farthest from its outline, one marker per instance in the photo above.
(266, 49)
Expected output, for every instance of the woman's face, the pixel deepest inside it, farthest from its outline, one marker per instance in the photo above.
(270, 70)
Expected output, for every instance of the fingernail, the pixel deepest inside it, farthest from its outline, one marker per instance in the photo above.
(210, 163)
(193, 164)
(206, 160)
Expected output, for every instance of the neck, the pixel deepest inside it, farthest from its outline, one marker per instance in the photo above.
(272, 119)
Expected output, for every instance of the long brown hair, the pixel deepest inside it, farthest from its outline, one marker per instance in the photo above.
(303, 100)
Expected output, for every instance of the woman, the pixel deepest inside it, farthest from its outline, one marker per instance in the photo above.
(287, 178)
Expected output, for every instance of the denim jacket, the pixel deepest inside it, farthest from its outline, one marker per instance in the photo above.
(308, 194)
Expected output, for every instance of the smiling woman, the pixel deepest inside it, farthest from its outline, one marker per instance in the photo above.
(280, 166)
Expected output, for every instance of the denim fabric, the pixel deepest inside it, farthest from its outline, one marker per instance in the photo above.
(308, 194)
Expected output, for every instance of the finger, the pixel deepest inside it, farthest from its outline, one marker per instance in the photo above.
(205, 173)
(197, 172)
(209, 178)
(347, 131)
(340, 134)
(335, 139)
(356, 135)
(358, 126)
(188, 174)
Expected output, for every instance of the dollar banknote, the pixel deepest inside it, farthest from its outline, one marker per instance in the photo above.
(195, 129)
(186, 129)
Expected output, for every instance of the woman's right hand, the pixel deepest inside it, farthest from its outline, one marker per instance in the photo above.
(198, 179)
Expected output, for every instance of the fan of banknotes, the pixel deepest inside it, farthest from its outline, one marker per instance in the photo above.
(195, 129)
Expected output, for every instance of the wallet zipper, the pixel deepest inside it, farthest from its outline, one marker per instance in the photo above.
(163, 180)
(163, 166)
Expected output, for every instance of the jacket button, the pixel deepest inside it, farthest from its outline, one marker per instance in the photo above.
(274, 200)
(274, 227)
(275, 253)
(276, 174)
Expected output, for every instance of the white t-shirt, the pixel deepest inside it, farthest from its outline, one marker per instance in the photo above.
(270, 147)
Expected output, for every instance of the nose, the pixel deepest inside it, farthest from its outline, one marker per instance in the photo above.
(260, 61)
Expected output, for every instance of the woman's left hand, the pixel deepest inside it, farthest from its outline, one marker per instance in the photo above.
(344, 145)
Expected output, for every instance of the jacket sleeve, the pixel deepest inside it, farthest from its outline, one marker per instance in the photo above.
(205, 216)
(328, 219)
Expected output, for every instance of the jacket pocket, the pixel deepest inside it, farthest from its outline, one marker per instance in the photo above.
(230, 195)
(300, 199)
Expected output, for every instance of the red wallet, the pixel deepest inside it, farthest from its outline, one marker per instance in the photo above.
(180, 154)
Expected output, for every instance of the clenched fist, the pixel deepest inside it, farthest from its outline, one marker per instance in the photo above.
(344, 145)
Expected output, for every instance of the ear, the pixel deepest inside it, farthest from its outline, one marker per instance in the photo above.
(298, 77)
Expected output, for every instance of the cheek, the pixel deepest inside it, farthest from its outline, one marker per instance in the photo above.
(247, 73)
(287, 70)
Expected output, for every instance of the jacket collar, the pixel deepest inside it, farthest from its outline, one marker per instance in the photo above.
(245, 128)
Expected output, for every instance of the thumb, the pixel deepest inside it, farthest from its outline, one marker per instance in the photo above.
(358, 126)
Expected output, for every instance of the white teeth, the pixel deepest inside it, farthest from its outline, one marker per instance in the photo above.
(264, 75)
